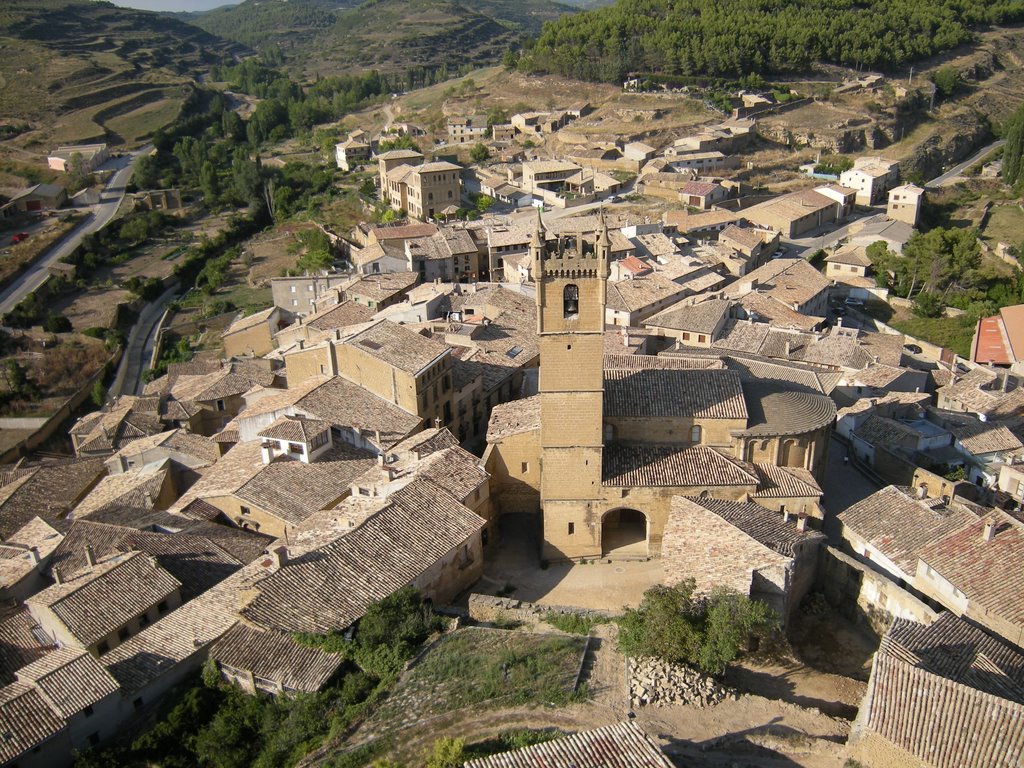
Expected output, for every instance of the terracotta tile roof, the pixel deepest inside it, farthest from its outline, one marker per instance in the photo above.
(129, 418)
(382, 287)
(850, 254)
(70, 678)
(235, 378)
(634, 265)
(244, 546)
(156, 650)
(697, 318)
(622, 745)
(880, 430)
(629, 465)
(48, 490)
(398, 346)
(19, 645)
(69, 557)
(292, 490)
(788, 280)
(766, 526)
(764, 308)
(16, 559)
(28, 720)
(753, 367)
(339, 315)
(250, 321)
(959, 651)
(513, 418)
(179, 440)
(196, 561)
(273, 655)
(783, 482)
(234, 469)
(660, 362)
(98, 602)
(745, 236)
(641, 292)
(147, 480)
(779, 408)
(707, 394)
(900, 526)
(296, 429)
(421, 523)
(982, 437)
(987, 572)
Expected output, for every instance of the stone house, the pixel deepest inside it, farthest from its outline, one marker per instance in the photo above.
(796, 213)
(467, 130)
(847, 261)
(872, 177)
(298, 294)
(702, 194)
(24, 557)
(91, 157)
(693, 325)
(793, 282)
(760, 553)
(351, 153)
(905, 204)
(254, 335)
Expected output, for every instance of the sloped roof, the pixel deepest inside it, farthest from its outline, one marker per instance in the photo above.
(651, 465)
(766, 526)
(697, 318)
(708, 394)
(398, 346)
(514, 418)
(70, 678)
(28, 718)
(276, 656)
(778, 408)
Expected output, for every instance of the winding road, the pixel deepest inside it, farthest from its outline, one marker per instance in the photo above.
(103, 212)
(953, 173)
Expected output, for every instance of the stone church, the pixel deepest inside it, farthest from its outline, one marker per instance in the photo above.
(610, 439)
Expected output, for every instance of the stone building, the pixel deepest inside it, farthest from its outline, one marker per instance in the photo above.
(609, 441)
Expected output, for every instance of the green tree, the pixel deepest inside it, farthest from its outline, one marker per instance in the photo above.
(947, 81)
(146, 172)
(1013, 151)
(483, 203)
(98, 394)
(56, 323)
(134, 230)
(730, 621)
(317, 253)
(928, 304)
(479, 153)
(447, 753)
(663, 626)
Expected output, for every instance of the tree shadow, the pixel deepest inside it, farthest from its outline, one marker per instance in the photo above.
(758, 745)
(776, 686)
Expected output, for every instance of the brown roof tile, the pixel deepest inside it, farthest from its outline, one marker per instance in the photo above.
(28, 720)
(708, 394)
(273, 655)
(671, 466)
(71, 678)
(766, 526)
(398, 346)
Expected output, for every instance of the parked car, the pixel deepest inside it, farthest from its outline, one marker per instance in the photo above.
(19, 237)
(913, 349)
(850, 301)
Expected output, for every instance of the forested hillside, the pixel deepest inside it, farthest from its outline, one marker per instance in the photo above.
(259, 23)
(736, 37)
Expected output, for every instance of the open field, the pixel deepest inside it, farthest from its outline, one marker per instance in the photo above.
(140, 123)
(20, 255)
(1005, 224)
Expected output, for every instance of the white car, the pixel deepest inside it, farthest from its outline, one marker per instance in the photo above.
(850, 301)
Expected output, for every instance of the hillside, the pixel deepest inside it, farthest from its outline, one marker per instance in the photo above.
(702, 37)
(335, 36)
(73, 71)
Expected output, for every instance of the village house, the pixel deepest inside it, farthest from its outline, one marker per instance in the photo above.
(701, 163)
(24, 557)
(905, 204)
(894, 234)
(40, 197)
(351, 153)
(45, 489)
(467, 130)
(987, 392)
(254, 335)
(298, 294)
(117, 424)
(846, 262)
(999, 339)
(792, 282)
(872, 177)
(767, 555)
(692, 325)
(797, 213)
(503, 132)
(424, 190)
(925, 676)
(89, 157)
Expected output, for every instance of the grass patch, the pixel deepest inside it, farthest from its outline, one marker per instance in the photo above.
(574, 623)
(483, 668)
(1005, 225)
(143, 121)
(955, 333)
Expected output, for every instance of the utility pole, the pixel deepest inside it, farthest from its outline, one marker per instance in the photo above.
(910, 80)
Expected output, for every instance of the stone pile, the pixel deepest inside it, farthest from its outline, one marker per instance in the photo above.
(656, 683)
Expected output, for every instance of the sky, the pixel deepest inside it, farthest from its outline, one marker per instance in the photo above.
(174, 5)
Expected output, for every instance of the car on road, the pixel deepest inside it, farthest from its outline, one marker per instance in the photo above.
(614, 199)
(851, 301)
(779, 253)
(19, 237)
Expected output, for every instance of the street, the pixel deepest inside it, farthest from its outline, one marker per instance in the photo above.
(139, 348)
(110, 201)
(953, 173)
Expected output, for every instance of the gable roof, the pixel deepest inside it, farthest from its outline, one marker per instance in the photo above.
(697, 318)
(651, 465)
(420, 524)
(708, 394)
(29, 720)
(70, 678)
(398, 346)
(765, 526)
(275, 656)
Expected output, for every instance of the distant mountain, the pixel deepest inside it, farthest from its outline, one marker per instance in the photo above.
(336, 35)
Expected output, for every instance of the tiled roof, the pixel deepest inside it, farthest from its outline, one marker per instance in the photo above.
(783, 482)
(987, 572)
(708, 394)
(421, 523)
(94, 604)
(753, 367)
(641, 292)
(398, 346)
(70, 678)
(69, 557)
(383, 286)
(959, 651)
(28, 720)
(622, 745)
(880, 430)
(626, 464)
(339, 316)
(513, 418)
(234, 469)
(614, 362)
(295, 429)
(234, 378)
(779, 408)
(146, 480)
(179, 440)
(343, 403)
(698, 318)
(48, 490)
(765, 308)
(275, 656)
(788, 280)
(980, 437)
(751, 238)
(250, 321)
(244, 546)
(765, 526)
(18, 643)
(900, 526)
(128, 419)
(293, 490)
(196, 561)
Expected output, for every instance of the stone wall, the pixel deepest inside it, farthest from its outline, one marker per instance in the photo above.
(657, 683)
(866, 596)
(489, 608)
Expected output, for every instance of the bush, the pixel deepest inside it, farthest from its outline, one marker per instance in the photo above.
(928, 305)
(573, 623)
(57, 324)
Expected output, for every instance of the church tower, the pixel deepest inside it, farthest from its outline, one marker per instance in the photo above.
(571, 274)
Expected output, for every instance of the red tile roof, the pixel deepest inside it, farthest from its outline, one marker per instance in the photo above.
(990, 343)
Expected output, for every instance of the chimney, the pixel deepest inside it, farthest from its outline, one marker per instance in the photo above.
(90, 556)
(922, 491)
(801, 523)
(33, 552)
(380, 460)
(57, 578)
(1006, 382)
(789, 348)
(785, 515)
(301, 344)
(376, 436)
(989, 531)
(280, 555)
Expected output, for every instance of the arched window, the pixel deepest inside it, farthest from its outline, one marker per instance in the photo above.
(430, 196)
(695, 434)
(571, 301)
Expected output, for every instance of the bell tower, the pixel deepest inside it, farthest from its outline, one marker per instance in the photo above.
(571, 274)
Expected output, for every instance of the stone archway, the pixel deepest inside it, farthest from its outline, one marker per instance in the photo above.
(624, 533)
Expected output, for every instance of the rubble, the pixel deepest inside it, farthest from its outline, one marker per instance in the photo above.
(657, 683)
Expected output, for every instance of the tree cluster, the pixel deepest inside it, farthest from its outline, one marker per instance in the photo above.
(1013, 151)
(673, 625)
(690, 37)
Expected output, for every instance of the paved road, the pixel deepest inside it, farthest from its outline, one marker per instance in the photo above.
(953, 173)
(843, 486)
(110, 200)
(797, 245)
(139, 348)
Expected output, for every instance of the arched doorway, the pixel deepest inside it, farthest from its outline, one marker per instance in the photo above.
(624, 533)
